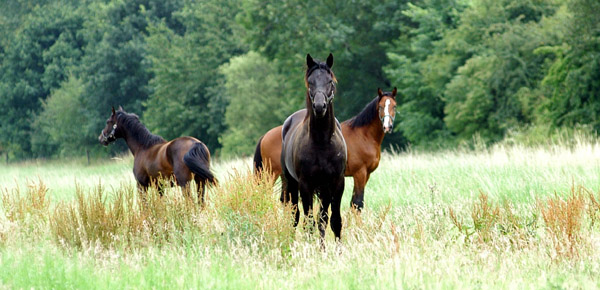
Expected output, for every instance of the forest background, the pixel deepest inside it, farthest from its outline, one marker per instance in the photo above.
(469, 72)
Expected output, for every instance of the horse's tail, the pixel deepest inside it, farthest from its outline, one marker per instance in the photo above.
(258, 166)
(198, 161)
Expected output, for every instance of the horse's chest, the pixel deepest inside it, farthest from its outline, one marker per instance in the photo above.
(317, 164)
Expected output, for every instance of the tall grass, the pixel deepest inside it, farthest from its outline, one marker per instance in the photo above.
(501, 217)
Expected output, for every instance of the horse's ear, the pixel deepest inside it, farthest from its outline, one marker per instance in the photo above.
(394, 92)
(330, 60)
(113, 110)
(120, 108)
(309, 61)
(379, 93)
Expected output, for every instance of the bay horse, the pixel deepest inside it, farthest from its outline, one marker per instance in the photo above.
(313, 155)
(154, 157)
(363, 134)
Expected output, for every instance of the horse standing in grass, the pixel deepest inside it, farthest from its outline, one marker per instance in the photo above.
(363, 134)
(183, 158)
(313, 156)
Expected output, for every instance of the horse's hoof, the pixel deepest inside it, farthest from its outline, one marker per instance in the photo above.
(357, 206)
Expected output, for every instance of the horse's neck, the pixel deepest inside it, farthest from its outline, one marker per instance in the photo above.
(322, 128)
(134, 142)
(374, 130)
(134, 145)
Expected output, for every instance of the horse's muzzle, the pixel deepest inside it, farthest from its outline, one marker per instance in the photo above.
(388, 129)
(102, 140)
(319, 109)
(105, 140)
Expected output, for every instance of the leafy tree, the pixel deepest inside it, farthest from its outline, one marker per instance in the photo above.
(259, 99)
(114, 69)
(355, 32)
(421, 65)
(571, 85)
(58, 126)
(187, 94)
(469, 67)
(483, 97)
(36, 61)
(13, 14)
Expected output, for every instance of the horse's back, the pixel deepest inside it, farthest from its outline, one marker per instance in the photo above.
(177, 148)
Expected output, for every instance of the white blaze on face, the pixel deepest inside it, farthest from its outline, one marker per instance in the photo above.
(387, 121)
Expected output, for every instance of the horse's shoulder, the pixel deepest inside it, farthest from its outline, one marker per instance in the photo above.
(292, 121)
(346, 128)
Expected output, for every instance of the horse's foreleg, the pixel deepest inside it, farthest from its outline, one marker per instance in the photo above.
(358, 192)
(307, 193)
(324, 218)
(336, 217)
(143, 193)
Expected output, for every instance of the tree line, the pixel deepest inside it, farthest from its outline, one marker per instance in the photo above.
(227, 71)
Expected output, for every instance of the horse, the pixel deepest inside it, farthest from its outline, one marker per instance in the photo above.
(184, 158)
(363, 134)
(313, 155)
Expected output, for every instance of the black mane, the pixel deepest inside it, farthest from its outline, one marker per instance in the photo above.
(366, 115)
(370, 112)
(137, 130)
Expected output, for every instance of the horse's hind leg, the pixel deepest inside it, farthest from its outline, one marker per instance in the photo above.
(285, 195)
(183, 176)
(200, 189)
(289, 193)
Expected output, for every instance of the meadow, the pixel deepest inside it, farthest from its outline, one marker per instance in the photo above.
(498, 217)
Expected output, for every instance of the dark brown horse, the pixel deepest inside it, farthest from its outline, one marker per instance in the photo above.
(363, 134)
(313, 156)
(154, 157)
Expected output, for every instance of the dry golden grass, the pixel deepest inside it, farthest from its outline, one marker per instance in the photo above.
(248, 210)
(242, 208)
(564, 220)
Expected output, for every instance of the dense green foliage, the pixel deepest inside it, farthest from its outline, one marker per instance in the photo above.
(227, 71)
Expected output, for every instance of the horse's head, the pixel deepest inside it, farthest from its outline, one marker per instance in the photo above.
(320, 82)
(387, 109)
(110, 133)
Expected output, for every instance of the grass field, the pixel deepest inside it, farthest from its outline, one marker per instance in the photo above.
(503, 217)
